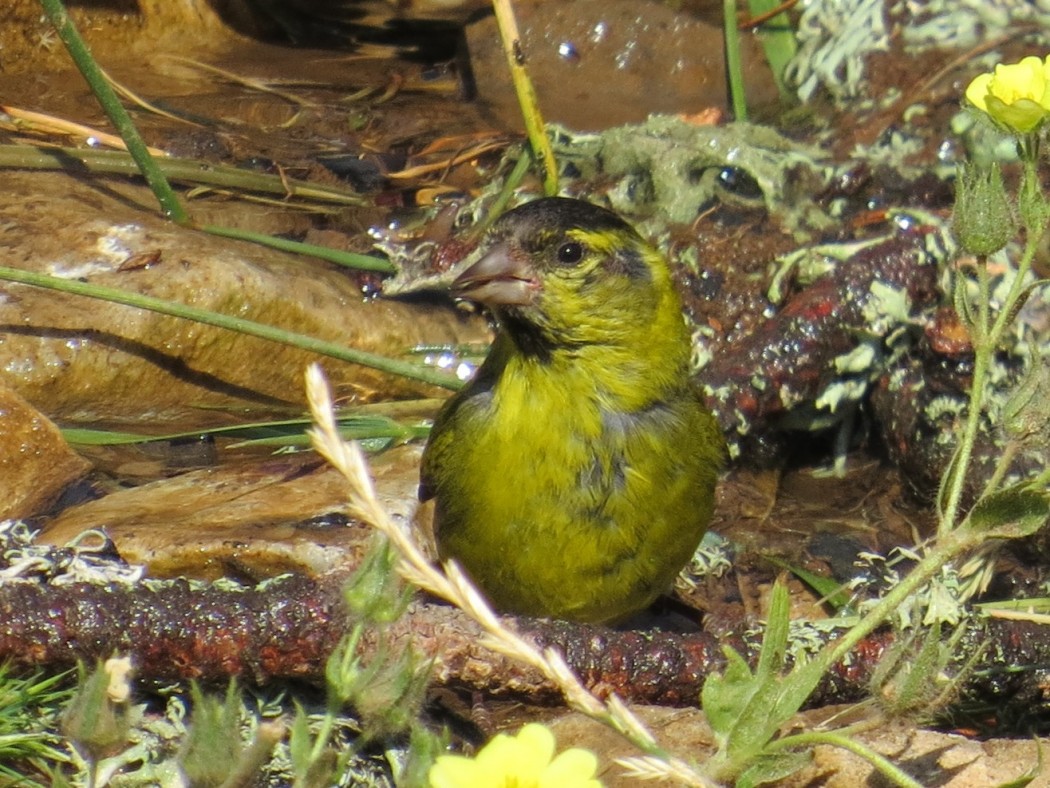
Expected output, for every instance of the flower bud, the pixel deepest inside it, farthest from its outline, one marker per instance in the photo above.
(983, 220)
(96, 720)
(1031, 202)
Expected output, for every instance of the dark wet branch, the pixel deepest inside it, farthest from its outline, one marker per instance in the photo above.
(174, 630)
(286, 629)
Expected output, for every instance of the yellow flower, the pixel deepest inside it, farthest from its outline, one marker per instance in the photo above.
(1016, 96)
(522, 761)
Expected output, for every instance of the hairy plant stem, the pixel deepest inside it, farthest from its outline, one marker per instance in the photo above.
(1002, 466)
(987, 334)
(948, 547)
(884, 765)
(952, 540)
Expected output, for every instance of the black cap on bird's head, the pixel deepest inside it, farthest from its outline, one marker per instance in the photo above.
(560, 214)
(528, 240)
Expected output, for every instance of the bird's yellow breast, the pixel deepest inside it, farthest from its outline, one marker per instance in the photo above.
(566, 508)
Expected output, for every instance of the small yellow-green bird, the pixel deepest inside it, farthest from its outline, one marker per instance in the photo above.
(574, 476)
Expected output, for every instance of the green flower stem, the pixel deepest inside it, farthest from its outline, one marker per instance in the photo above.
(302, 341)
(118, 116)
(189, 171)
(986, 340)
(360, 262)
(884, 765)
(535, 128)
(1002, 467)
(950, 546)
(734, 66)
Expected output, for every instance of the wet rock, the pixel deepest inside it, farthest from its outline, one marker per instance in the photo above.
(36, 464)
(250, 521)
(83, 360)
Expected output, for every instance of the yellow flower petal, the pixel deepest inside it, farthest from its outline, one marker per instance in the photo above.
(521, 761)
(1024, 80)
(1045, 101)
(1015, 95)
(539, 740)
(507, 757)
(455, 771)
(977, 92)
(573, 768)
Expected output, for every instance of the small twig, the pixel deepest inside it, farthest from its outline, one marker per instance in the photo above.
(761, 19)
(873, 131)
(459, 158)
(138, 101)
(38, 121)
(253, 84)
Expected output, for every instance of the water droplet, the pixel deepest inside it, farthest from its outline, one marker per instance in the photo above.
(567, 51)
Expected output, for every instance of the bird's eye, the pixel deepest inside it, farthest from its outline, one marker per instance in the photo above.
(570, 252)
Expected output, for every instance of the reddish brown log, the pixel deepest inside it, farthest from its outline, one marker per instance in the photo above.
(287, 629)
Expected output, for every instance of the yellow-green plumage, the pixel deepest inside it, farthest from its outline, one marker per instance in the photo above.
(574, 476)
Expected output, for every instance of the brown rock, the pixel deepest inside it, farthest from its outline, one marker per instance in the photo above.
(83, 360)
(251, 521)
(36, 463)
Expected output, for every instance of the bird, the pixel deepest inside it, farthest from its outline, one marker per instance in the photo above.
(574, 476)
(363, 20)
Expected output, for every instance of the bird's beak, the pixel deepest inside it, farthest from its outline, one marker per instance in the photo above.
(500, 278)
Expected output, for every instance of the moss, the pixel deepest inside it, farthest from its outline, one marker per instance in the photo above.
(669, 169)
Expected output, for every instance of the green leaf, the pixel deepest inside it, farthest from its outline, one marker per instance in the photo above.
(747, 710)
(285, 432)
(1012, 513)
(1026, 413)
(775, 766)
(724, 695)
(795, 690)
(300, 743)
(829, 589)
(774, 642)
